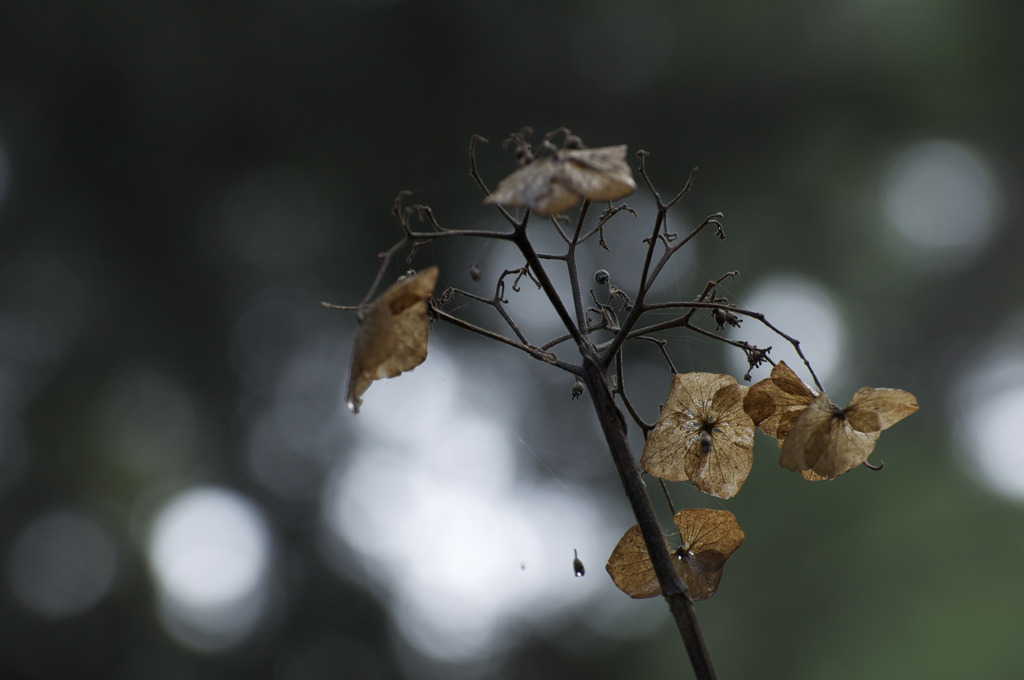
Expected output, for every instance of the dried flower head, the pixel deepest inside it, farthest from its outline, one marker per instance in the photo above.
(703, 435)
(819, 439)
(828, 441)
(392, 337)
(708, 537)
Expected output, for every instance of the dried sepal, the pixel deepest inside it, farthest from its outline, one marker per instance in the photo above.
(630, 566)
(709, 538)
(392, 337)
(553, 184)
(874, 409)
(600, 174)
(828, 440)
(703, 435)
(775, 402)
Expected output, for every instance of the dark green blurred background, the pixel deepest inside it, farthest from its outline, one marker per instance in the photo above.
(183, 494)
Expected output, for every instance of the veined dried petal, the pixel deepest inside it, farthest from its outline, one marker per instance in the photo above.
(630, 566)
(775, 402)
(709, 537)
(873, 409)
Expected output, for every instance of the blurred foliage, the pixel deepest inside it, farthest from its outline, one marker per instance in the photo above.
(131, 134)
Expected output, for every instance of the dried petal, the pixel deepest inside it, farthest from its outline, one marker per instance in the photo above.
(392, 337)
(552, 185)
(536, 186)
(775, 402)
(823, 440)
(600, 174)
(709, 538)
(630, 566)
(703, 435)
(874, 409)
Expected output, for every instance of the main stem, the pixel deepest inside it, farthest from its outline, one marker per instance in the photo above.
(672, 587)
(614, 427)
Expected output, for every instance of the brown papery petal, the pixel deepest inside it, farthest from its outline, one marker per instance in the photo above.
(536, 186)
(630, 566)
(600, 174)
(823, 440)
(875, 409)
(552, 185)
(392, 337)
(775, 402)
(710, 537)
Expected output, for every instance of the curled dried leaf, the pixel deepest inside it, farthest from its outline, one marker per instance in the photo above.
(828, 441)
(775, 402)
(392, 337)
(709, 538)
(703, 435)
(553, 184)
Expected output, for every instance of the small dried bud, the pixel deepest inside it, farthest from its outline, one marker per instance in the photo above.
(724, 316)
(602, 277)
(577, 564)
(578, 389)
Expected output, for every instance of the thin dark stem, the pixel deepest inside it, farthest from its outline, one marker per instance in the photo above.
(498, 304)
(537, 267)
(684, 322)
(620, 389)
(574, 275)
(714, 219)
(661, 343)
(637, 310)
(535, 352)
(668, 496)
